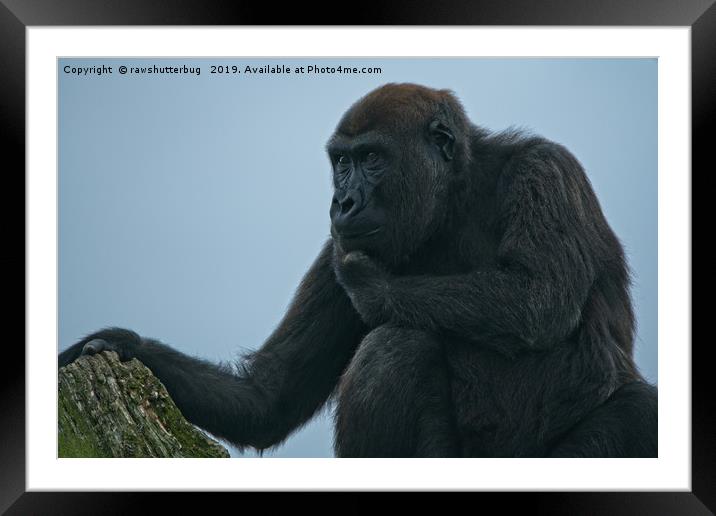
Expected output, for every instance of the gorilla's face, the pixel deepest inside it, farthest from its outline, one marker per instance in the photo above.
(391, 171)
(362, 169)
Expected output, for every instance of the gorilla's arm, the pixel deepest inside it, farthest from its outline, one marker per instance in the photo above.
(532, 298)
(279, 387)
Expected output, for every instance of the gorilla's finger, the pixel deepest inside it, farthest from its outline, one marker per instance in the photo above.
(95, 346)
(356, 257)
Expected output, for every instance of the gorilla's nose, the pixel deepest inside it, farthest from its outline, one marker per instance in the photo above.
(349, 204)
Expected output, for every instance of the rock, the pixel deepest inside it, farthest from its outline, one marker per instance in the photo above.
(109, 408)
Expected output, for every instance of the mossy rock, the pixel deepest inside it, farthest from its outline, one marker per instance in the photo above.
(109, 408)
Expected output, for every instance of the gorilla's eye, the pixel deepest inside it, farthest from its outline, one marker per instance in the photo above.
(343, 160)
(371, 158)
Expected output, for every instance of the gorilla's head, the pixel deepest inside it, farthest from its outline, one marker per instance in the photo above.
(396, 154)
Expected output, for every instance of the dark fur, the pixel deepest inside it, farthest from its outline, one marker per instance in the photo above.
(491, 315)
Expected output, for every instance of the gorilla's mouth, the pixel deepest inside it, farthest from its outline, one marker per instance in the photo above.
(359, 234)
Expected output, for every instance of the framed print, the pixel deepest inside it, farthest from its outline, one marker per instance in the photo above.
(177, 184)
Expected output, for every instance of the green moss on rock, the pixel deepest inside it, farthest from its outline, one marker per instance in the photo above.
(109, 408)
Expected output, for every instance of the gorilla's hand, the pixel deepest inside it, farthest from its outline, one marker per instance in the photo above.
(123, 342)
(367, 283)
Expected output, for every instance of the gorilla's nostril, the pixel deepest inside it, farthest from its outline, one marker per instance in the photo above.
(347, 205)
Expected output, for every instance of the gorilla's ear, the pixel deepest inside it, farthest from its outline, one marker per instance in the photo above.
(442, 137)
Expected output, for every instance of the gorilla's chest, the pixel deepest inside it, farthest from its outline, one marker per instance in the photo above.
(472, 248)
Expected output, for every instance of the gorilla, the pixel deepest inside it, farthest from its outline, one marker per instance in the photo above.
(471, 301)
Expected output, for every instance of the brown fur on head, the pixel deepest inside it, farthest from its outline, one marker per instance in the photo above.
(401, 106)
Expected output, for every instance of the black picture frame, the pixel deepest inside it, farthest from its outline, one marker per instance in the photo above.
(17, 15)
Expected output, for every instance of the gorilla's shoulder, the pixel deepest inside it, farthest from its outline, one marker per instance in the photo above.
(537, 156)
